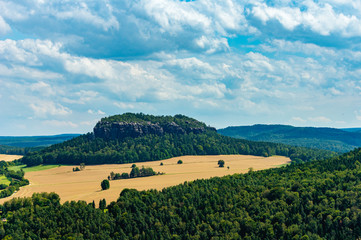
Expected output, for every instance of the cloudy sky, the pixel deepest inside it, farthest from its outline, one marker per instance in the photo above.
(66, 64)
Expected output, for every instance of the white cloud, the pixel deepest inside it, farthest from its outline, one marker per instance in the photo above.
(81, 12)
(298, 119)
(335, 91)
(320, 18)
(288, 17)
(60, 124)
(258, 62)
(4, 27)
(42, 88)
(45, 108)
(18, 71)
(12, 11)
(172, 16)
(320, 119)
(97, 112)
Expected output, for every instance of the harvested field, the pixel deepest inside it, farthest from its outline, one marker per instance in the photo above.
(85, 185)
(8, 158)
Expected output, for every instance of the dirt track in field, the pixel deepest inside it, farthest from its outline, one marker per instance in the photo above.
(8, 158)
(85, 185)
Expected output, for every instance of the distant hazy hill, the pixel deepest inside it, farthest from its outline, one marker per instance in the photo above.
(339, 140)
(35, 141)
(139, 137)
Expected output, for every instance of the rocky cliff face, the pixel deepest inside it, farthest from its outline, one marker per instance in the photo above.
(119, 130)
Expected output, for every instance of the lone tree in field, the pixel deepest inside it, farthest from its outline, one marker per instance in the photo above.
(220, 163)
(179, 161)
(82, 166)
(105, 184)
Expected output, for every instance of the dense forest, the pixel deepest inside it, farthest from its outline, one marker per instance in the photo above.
(186, 137)
(338, 140)
(11, 150)
(313, 200)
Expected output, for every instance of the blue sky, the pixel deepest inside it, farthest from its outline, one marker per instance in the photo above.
(66, 64)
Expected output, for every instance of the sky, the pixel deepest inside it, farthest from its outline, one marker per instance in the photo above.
(66, 64)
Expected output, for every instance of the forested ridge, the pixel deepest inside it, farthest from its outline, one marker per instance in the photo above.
(314, 200)
(184, 136)
(338, 140)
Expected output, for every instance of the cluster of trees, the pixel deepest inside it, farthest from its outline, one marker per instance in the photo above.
(80, 168)
(92, 150)
(16, 179)
(134, 173)
(221, 163)
(314, 200)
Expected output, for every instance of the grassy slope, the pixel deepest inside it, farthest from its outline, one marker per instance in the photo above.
(32, 169)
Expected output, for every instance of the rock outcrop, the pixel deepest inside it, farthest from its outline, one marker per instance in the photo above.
(120, 130)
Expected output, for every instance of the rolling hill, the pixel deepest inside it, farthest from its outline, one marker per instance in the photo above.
(321, 138)
(139, 137)
(35, 141)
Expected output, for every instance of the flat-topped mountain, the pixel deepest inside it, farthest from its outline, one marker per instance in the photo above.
(333, 139)
(139, 137)
(137, 125)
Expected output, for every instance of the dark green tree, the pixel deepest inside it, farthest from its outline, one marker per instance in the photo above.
(221, 163)
(105, 184)
(102, 204)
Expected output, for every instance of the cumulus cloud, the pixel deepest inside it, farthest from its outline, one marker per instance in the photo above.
(319, 18)
(45, 108)
(251, 58)
(4, 27)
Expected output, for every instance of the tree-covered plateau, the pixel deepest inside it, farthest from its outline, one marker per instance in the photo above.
(166, 137)
(313, 200)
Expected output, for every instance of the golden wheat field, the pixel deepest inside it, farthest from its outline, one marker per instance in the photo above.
(85, 185)
(8, 158)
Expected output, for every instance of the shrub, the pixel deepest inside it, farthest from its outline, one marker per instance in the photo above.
(179, 161)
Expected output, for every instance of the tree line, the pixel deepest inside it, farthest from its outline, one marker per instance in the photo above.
(11, 150)
(134, 173)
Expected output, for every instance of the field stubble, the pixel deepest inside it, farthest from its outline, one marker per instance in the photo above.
(8, 158)
(85, 185)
